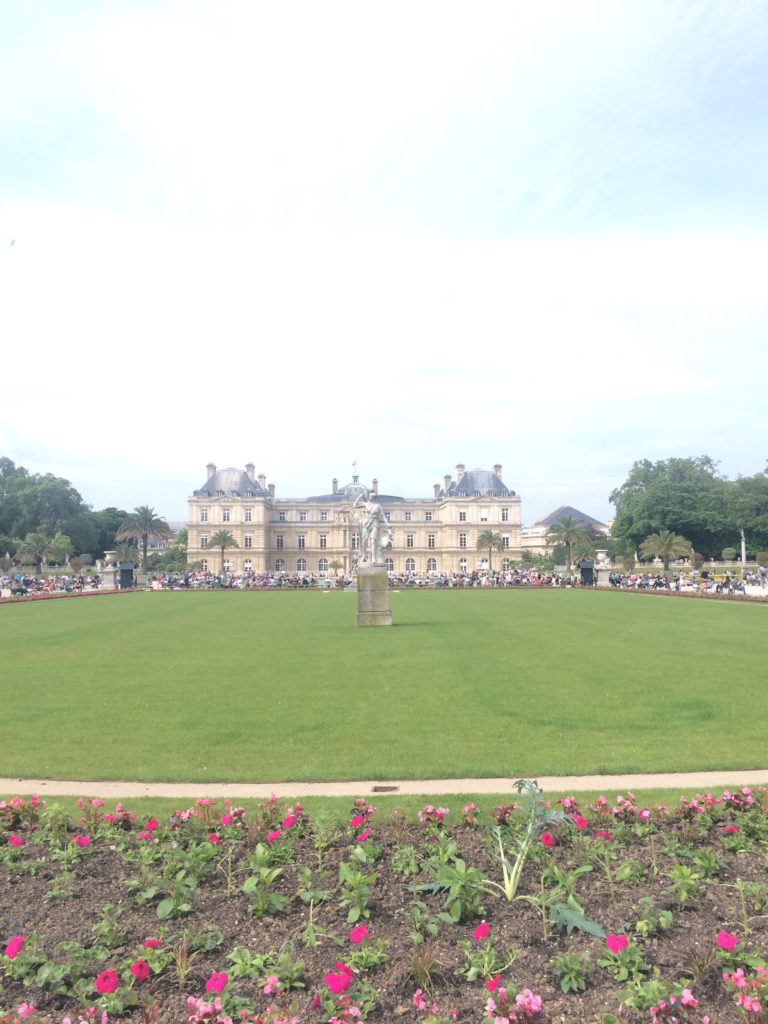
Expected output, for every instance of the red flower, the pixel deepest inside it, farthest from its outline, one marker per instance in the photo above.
(357, 821)
(152, 944)
(358, 934)
(579, 822)
(14, 946)
(217, 982)
(106, 983)
(547, 839)
(482, 931)
(493, 983)
(151, 825)
(141, 970)
(274, 835)
(604, 835)
(289, 821)
(615, 943)
(730, 830)
(214, 839)
(727, 940)
(338, 981)
(364, 835)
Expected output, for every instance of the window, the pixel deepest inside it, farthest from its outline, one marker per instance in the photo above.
(227, 565)
(390, 564)
(431, 565)
(505, 515)
(323, 540)
(483, 515)
(409, 540)
(301, 540)
(279, 564)
(323, 517)
(203, 540)
(281, 516)
(302, 517)
(505, 563)
(427, 517)
(248, 541)
(505, 540)
(226, 514)
(322, 565)
(462, 517)
(247, 564)
(301, 565)
(408, 516)
(462, 540)
(431, 540)
(355, 541)
(279, 540)
(462, 565)
(410, 565)
(205, 565)
(203, 515)
(387, 516)
(248, 518)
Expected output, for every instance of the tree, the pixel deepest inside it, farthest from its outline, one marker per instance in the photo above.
(38, 547)
(222, 539)
(140, 525)
(568, 531)
(127, 552)
(665, 545)
(490, 541)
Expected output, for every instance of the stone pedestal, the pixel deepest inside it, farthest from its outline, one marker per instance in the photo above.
(108, 572)
(603, 569)
(373, 596)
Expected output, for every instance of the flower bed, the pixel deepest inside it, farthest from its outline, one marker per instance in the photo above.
(520, 912)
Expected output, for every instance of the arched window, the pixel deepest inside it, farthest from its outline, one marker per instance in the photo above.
(279, 564)
(301, 565)
(410, 565)
(390, 564)
(322, 565)
(431, 565)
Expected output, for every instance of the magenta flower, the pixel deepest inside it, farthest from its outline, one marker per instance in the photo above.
(358, 934)
(338, 981)
(493, 983)
(151, 825)
(16, 841)
(482, 931)
(579, 822)
(140, 970)
(214, 838)
(604, 835)
(274, 835)
(152, 944)
(289, 821)
(82, 841)
(547, 839)
(726, 940)
(272, 985)
(364, 835)
(730, 830)
(106, 983)
(357, 821)
(217, 982)
(226, 819)
(147, 837)
(615, 943)
(14, 946)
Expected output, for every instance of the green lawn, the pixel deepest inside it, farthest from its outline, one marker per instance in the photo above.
(266, 687)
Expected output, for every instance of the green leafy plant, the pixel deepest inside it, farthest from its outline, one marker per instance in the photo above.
(355, 891)
(571, 970)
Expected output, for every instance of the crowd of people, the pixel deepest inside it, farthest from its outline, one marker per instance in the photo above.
(24, 585)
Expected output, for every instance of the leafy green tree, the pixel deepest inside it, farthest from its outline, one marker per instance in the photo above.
(107, 522)
(666, 546)
(489, 541)
(747, 510)
(32, 503)
(63, 548)
(140, 525)
(127, 552)
(222, 539)
(685, 496)
(36, 548)
(568, 531)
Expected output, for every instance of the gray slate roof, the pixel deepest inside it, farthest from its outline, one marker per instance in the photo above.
(569, 510)
(483, 482)
(230, 482)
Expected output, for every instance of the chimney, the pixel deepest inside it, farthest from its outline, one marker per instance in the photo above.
(250, 469)
(262, 481)
(436, 490)
(211, 469)
(497, 470)
(374, 486)
(459, 472)
(271, 490)
(447, 482)
(334, 485)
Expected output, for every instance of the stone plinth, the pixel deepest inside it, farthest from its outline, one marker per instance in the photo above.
(603, 569)
(373, 596)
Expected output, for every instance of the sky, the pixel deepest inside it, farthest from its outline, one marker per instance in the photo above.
(394, 236)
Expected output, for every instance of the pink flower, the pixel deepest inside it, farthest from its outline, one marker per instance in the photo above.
(604, 835)
(357, 821)
(358, 934)
(274, 835)
(726, 940)
(272, 985)
(146, 837)
(226, 819)
(482, 931)
(214, 839)
(140, 970)
(547, 839)
(338, 981)
(14, 946)
(82, 842)
(289, 821)
(217, 982)
(687, 999)
(151, 825)
(615, 943)
(364, 835)
(493, 983)
(24, 1010)
(106, 983)
(16, 841)
(152, 944)
(579, 822)
(730, 830)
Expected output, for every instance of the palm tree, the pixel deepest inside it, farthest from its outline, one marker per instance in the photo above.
(222, 539)
(38, 547)
(127, 552)
(568, 531)
(490, 540)
(665, 545)
(140, 525)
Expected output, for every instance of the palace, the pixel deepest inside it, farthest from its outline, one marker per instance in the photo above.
(319, 534)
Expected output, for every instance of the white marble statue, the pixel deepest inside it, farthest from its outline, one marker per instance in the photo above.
(375, 532)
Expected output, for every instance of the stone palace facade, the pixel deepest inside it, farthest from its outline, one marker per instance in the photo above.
(319, 535)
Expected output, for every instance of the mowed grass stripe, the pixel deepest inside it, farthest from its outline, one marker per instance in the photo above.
(254, 686)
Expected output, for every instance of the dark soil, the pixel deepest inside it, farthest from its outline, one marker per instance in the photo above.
(723, 842)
